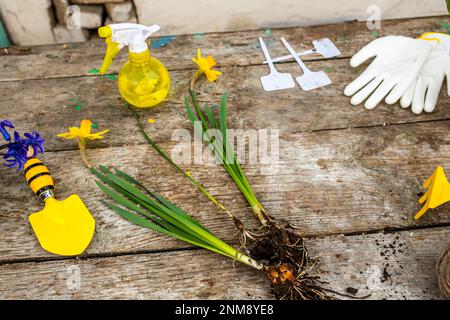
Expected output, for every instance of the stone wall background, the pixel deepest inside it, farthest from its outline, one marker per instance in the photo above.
(36, 22)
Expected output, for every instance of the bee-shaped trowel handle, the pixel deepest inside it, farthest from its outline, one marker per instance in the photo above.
(39, 178)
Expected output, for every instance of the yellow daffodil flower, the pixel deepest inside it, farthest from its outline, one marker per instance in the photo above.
(205, 65)
(82, 134)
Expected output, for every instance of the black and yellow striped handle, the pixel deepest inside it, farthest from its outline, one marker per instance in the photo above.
(38, 177)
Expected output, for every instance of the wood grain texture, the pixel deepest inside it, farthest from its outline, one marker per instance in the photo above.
(343, 170)
(327, 182)
(47, 106)
(388, 266)
(229, 49)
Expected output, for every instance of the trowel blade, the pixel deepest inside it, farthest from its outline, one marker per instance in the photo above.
(63, 227)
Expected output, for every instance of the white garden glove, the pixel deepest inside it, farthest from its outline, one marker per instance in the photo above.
(424, 92)
(396, 66)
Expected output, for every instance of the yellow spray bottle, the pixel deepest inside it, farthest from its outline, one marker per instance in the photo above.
(143, 80)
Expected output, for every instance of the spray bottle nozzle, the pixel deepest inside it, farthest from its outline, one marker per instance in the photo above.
(124, 34)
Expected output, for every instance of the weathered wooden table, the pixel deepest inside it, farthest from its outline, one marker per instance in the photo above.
(349, 177)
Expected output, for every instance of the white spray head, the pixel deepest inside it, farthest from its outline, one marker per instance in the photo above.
(132, 35)
(119, 35)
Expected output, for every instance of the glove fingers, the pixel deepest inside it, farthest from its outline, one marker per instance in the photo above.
(379, 94)
(406, 81)
(419, 96)
(363, 79)
(362, 94)
(407, 98)
(368, 51)
(400, 89)
(432, 96)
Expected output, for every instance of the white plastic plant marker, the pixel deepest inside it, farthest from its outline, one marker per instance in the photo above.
(274, 80)
(309, 80)
(324, 47)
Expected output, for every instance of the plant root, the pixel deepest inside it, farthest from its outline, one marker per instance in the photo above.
(289, 265)
(287, 286)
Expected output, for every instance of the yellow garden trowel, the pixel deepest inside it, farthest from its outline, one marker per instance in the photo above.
(438, 191)
(63, 227)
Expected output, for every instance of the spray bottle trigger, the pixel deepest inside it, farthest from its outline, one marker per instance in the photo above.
(112, 50)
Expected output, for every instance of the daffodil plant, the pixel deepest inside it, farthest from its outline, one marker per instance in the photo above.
(244, 233)
(223, 149)
(150, 210)
(287, 262)
(281, 245)
(205, 66)
(147, 209)
(82, 135)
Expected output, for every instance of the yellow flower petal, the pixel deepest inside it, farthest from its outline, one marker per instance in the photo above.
(97, 135)
(212, 75)
(66, 135)
(83, 132)
(205, 65)
(196, 62)
(103, 132)
(75, 131)
(85, 127)
(211, 61)
(94, 137)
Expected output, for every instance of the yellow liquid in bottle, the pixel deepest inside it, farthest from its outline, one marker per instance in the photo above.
(143, 80)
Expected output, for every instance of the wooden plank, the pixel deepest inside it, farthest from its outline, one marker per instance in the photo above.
(46, 106)
(229, 49)
(328, 182)
(398, 265)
